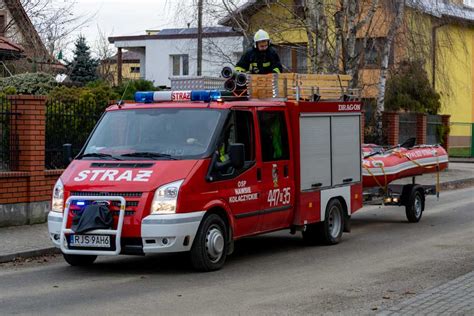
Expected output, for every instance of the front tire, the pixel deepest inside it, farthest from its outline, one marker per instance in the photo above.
(209, 249)
(79, 260)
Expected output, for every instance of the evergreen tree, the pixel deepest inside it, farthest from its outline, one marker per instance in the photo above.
(83, 68)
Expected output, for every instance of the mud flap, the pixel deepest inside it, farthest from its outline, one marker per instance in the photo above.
(347, 223)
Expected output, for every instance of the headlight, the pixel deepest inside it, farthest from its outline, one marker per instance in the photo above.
(166, 196)
(57, 204)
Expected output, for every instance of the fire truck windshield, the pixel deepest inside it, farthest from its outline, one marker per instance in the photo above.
(160, 133)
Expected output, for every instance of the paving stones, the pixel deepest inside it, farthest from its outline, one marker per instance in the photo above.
(453, 298)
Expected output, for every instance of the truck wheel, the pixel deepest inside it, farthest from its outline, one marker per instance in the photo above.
(415, 206)
(332, 227)
(209, 249)
(79, 260)
(330, 231)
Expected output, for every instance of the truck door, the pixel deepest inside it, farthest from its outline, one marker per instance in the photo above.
(240, 189)
(277, 170)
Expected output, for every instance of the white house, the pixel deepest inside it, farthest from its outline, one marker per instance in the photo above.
(173, 52)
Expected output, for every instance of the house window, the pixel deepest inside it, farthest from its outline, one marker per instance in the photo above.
(469, 3)
(179, 65)
(135, 70)
(2, 25)
(293, 58)
(372, 55)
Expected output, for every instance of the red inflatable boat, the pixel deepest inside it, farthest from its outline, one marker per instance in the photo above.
(380, 167)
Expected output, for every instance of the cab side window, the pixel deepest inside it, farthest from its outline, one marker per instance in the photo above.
(239, 128)
(273, 135)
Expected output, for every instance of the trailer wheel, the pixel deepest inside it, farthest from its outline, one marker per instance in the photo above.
(79, 260)
(209, 249)
(415, 206)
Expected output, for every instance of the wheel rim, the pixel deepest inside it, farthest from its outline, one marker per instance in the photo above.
(214, 243)
(418, 206)
(334, 222)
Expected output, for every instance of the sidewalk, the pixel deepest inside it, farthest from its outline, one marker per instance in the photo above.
(453, 298)
(30, 241)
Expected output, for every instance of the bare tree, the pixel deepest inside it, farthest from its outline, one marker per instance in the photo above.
(105, 53)
(54, 21)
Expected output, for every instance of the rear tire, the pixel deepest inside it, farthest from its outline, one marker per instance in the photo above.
(330, 231)
(210, 246)
(79, 260)
(415, 206)
(333, 225)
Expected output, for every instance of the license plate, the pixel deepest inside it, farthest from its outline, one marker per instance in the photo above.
(99, 241)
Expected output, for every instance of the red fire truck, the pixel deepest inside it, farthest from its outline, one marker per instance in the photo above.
(199, 171)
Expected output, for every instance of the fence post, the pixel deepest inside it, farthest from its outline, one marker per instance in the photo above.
(31, 132)
(391, 125)
(445, 123)
(421, 126)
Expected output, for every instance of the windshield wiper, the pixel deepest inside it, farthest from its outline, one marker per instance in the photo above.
(99, 155)
(147, 154)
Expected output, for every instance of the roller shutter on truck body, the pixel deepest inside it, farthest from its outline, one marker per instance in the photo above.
(329, 150)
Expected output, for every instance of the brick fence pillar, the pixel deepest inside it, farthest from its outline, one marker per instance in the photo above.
(421, 127)
(362, 126)
(391, 127)
(31, 127)
(446, 124)
(25, 191)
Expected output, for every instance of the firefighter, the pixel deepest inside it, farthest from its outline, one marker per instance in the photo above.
(261, 58)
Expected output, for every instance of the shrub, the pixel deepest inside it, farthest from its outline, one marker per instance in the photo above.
(128, 88)
(28, 83)
(409, 89)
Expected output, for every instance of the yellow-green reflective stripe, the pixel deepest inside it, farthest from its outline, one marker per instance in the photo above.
(266, 64)
(276, 70)
(240, 69)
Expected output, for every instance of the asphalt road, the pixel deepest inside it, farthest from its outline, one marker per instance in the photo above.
(383, 261)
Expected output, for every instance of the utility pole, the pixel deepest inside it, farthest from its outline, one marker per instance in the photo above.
(199, 38)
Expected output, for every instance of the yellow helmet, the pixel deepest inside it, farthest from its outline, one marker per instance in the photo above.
(260, 35)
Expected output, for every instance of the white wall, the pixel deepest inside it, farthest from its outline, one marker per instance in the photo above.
(217, 53)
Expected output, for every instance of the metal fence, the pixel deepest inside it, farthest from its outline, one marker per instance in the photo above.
(9, 149)
(461, 142)
(407, 127)
(68, 123)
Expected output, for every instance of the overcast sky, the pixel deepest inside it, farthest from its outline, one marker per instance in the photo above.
(127, 17)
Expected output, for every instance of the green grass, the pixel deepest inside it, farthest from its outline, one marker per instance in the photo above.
(460, 152)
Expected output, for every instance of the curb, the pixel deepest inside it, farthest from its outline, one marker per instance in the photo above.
(29, 254)
(457, 184)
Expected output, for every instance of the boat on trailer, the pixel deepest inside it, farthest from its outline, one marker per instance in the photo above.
(382, 166)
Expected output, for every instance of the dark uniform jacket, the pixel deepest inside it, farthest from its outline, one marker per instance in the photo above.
(257, 62)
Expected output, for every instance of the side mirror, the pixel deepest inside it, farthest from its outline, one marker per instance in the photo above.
(67, 154)
(237, 155)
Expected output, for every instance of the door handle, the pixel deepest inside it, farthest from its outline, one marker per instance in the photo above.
(285, 171)
(347, 180)
(259, 174)
(316, 185)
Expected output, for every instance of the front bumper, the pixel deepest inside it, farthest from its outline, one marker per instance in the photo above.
(159, 233)
(170, 233)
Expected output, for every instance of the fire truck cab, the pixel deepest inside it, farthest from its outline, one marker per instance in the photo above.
(194, 176)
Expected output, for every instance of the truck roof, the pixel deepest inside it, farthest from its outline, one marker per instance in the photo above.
(197, 104)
